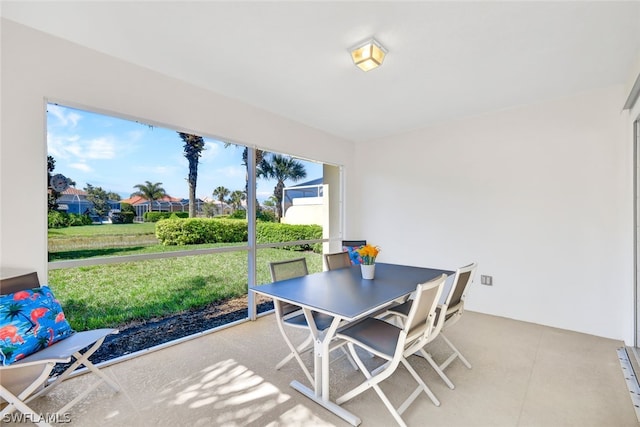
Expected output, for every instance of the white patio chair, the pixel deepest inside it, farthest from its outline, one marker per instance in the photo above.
(28, 378)
(453, 307)
(337, 260)
(290, 315)
(394, 344)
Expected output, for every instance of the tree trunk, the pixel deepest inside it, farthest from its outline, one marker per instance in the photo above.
(192, 200)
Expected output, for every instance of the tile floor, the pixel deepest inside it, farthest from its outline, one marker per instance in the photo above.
(523, 375)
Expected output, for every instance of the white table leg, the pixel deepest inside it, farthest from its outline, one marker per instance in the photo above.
(321, 346)
(329, 334)
(317, 351)
(352, 419)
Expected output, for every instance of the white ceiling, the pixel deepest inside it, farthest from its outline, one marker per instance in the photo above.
(446, 59)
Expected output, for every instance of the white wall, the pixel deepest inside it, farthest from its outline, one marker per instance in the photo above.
(539, 196)
(37, 67)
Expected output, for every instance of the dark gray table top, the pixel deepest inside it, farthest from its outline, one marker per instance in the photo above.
(345, 293)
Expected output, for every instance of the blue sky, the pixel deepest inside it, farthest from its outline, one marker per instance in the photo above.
(117, 154)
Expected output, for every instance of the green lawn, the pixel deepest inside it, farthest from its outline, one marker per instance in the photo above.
(114, 294)
(91, 231)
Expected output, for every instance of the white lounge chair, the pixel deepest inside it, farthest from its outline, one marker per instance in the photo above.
(28, 378)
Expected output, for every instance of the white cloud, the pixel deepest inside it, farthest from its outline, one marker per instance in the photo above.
(57, 144)
(71, 146)
(100, 148)
(158, 170)
(81, 167)
(210, 152)
(70, 119)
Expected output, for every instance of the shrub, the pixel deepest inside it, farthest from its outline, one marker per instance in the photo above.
(122, 217)
(57, 219)
(239, 214)
(266, 216)
(157, 216)
(126, 207)
(77, 220)
(191, 231)
(270, 232)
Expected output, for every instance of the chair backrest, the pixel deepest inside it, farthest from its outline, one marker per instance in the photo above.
(22, 282)
(422, 313)
(454, 304)
(462, 280)
(353, 243)
(288, 269)
(337, 260)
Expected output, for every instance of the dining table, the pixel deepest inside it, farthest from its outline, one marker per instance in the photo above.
(347, 297)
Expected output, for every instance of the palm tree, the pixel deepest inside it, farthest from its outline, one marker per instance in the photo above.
(193, 146)
(150, 191)
(236, 198)
(260, 159)
(221, 193)
(281, 168)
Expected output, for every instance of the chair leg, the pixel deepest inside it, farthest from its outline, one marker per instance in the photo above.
(373, 380)
(455, 354)
(301, 348)
(81, 359)
(436, 368)
(389, 405)
(422, 386)
(351, 361)
(362, 387)
(294, 352)
(18, 402)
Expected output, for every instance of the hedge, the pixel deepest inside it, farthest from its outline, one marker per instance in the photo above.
(271, 232)
(215, 230)
(193, 231)
(157, 216)
(56, 219)
(122, 217)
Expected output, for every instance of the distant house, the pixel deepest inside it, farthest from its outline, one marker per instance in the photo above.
(221, 208)
(304, 203)
(166, 204)
(73, 200)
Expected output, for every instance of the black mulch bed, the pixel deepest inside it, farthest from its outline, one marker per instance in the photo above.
(138, 336)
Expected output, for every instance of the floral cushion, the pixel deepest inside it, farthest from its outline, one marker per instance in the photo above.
(30, 320)
(354, 256)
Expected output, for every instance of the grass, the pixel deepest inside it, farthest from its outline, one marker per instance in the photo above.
(93, 231)
(115, 294)
(103, 236)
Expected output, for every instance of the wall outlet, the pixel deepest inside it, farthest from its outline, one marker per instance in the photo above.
(486, 280)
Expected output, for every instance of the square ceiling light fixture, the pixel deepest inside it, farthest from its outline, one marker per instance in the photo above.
(368, 55)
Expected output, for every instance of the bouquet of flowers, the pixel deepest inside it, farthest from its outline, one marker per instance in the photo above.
(368, 253)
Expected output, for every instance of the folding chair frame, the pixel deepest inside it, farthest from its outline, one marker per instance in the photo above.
(411, 337)
(79, 346)
(446, 316)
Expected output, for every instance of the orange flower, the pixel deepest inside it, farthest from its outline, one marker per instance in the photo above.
(368, 253)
